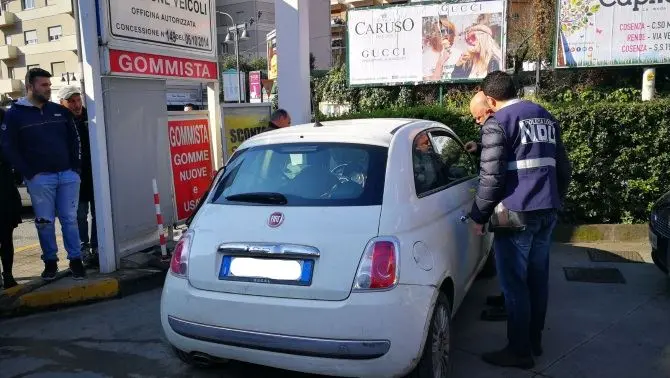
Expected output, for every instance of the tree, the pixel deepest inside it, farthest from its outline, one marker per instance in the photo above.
(530, 32)
(257, 64)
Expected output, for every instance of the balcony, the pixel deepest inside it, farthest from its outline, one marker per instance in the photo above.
(7, 19)
(8, 52)
(58, 7)
(10, 86)
(64, 43)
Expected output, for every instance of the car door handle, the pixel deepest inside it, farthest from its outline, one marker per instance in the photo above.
(464, 218)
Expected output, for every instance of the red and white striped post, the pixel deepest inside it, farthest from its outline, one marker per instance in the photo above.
(159, 221)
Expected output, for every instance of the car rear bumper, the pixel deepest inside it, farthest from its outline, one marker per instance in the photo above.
(367, 335)
(659, 249)
(304, 346)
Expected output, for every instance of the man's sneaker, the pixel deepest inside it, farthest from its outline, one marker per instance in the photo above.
(50, 270)
(77, 268)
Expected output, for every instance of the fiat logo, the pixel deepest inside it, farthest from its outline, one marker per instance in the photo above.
(276, 219)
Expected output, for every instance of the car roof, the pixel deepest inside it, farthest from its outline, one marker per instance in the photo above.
(375, 131)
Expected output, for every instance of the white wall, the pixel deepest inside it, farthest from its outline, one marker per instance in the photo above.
(319, 31)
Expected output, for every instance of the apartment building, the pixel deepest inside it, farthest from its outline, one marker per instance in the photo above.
(37, 33)
(259, 16)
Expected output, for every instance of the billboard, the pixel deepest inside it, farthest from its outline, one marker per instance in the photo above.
(595, 33)
(191, 157)
(435, 42)
(241, 122)
(271, 42)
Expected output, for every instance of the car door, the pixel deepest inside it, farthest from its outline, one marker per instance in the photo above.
(459, 174)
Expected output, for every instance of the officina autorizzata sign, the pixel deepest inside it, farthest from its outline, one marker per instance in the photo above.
(185, 25)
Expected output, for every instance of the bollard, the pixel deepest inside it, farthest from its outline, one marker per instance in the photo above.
(159, 221)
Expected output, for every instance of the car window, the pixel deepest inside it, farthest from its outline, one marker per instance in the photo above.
(439, 161)
(428, 175)
(457, 162)
(317, 174)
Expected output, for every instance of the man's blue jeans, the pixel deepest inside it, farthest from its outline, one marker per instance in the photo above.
(522, 260)
(51, 194)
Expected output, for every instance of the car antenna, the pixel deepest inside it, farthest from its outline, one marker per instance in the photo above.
(318, 124)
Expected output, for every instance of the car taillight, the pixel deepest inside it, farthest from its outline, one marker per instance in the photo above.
(378, 268)
(179, 262)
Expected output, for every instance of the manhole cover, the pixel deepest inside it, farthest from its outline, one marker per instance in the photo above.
(597, 255)
(594, 275)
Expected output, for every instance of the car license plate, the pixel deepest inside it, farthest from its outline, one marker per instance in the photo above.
(653, 240)
(262, 270)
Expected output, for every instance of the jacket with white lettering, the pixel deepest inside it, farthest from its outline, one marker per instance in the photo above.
(524, 164)
(42, 140)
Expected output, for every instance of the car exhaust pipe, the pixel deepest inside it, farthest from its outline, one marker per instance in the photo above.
(202, 359)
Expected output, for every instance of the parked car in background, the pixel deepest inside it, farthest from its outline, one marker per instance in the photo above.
(341, 249)
(659, 232)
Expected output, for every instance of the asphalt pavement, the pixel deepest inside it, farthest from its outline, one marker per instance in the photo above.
(594, 330)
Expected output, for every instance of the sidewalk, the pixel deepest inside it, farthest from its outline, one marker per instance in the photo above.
(28, 263)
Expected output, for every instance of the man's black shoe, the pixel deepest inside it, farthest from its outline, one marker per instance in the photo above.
(77, 268)
(495, 300)
(536, 345)
(8, 281)
(494, 314)
(537, 350)
(507, 358)
(91, 260)
(50, 270)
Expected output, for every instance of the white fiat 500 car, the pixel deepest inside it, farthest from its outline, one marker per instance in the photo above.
(341, 249)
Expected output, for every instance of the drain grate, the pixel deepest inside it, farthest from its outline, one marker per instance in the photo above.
(597, 255)
(594, 275)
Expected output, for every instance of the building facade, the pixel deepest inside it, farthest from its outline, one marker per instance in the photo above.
(37, 33)
(259, 16)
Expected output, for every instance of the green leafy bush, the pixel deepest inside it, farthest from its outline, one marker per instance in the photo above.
(619, 152)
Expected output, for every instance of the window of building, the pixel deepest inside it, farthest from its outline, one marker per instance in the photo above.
(439, 162)
(28, 4)
(57, 69)
(55, 33)
(8, 40)
(31, 37)
(31, 66)
(11, 74)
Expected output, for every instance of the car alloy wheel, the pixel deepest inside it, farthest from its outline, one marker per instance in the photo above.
(441, 341)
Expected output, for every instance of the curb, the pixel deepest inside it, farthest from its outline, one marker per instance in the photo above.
(601, 232)
(37, 297)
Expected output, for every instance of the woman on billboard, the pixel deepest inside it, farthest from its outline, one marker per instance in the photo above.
(437, 49)
(483, 54)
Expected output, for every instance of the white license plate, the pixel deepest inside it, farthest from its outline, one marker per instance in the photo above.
(261, 270)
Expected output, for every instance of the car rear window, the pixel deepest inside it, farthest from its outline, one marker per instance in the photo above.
(309, 174)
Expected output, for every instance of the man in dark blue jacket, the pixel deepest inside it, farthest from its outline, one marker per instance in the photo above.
(41, 141)
(524, 173)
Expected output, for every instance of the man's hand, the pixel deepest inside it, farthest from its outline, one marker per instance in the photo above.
(471, 147)
(478, 229)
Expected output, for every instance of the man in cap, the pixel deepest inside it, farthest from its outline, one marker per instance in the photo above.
(40, 140)
(70, 97)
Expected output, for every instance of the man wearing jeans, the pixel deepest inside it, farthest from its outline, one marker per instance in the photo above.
(70, 97)
(41, 141)
(525, 168)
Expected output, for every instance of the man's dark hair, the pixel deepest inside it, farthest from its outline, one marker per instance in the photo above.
(499, 85)
(277, 114)
(34, 73)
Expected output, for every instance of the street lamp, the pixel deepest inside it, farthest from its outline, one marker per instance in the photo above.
(65, 77)
(236, 33)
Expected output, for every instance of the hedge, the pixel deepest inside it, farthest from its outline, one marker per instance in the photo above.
(620, 154)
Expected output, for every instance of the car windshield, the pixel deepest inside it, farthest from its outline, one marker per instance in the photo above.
(297, 174)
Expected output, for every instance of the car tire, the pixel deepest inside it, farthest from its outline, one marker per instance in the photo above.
(489, 268)
(435, 361)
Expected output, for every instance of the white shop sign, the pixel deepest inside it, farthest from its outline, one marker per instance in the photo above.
(186, 25)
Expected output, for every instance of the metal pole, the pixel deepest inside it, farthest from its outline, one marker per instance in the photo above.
(237, 58)
(75, 6)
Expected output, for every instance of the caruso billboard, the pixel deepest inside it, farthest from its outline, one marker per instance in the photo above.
(436, 42)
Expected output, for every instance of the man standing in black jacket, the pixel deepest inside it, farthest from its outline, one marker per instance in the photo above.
(524, 175)
(70, 97)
